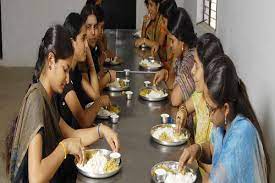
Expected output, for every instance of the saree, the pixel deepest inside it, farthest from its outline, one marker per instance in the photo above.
(37, 113)
(153, 32)
(238, 153)
(184, 77)
(202, 123)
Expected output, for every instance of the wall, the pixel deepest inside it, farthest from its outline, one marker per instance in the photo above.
(246, 29)
(25, 22)
(141, 11)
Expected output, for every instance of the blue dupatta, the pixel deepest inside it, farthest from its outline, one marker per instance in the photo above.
(238, 154)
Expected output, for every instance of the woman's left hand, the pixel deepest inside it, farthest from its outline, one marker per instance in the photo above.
(111, 137)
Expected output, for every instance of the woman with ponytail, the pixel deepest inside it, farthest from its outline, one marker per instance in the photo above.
(182, 42)
(40, 145)
(237, 149)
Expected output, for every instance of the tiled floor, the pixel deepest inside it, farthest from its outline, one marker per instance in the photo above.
(13, 85)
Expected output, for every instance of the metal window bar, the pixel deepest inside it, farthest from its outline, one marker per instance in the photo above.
(207, 12)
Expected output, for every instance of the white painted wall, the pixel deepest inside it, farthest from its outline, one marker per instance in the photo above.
(25, 22)
(246, 29)
(140, 11)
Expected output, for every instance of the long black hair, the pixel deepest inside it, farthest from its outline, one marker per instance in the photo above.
(154, 1)
(180, 25)
(88, 2)
(57, 41)
(208, 47)
(89, 9)
(225, 86)
(73, 24)
(167, 7)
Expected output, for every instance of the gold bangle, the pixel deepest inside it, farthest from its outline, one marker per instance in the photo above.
(64, 149)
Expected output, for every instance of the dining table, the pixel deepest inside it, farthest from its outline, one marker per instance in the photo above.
(139, 153)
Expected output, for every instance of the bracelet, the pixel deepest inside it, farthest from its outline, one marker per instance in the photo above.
(98, 132)
(64, 149)
(110, 76)
(200, 151)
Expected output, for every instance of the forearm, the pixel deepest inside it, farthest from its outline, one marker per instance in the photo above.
(88, 136)
(48, 166)
(95, 86)
(171, 78)
(205, 155)
(150, 43)
(88, 118)
(94, 82)
(170, 81)
(190, 105)
(206, 167)
(104, 81)
(143, 29)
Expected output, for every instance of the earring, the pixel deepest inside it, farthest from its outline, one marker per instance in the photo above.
(225, 121)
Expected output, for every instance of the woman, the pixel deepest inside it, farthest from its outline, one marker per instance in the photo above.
(72, 101)
(208, 47)
(153, 35)
(39, 140)
(182, 39)
(89, 14)
(102, 39)
(237, 148)
(167, 7)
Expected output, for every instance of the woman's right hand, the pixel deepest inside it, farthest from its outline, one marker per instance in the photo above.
(112, 75)
(139, 42)
(111, 137)
(104, 101)
(160, 76)
(146, 18)
(181, 118)
(74, 147)
(189, 155)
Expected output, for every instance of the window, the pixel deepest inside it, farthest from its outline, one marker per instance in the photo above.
(210, 12)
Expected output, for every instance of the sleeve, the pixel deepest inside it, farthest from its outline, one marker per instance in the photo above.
(68, 87)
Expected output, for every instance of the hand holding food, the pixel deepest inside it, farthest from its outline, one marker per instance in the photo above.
(74, 147)
(189, 155)
(160, 76)
(111, 137)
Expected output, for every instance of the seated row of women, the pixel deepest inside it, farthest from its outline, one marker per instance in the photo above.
(213, 103)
